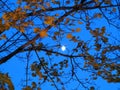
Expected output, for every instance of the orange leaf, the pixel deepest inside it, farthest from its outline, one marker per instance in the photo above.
(80, 22)
(40, 74)
(36, 30)
(49, 20)
(43, 33)
(69, 35)
(114, 9)
(22, 30)
(96, 0)
(78, 30)
(48, 4)
(67, 20)
(57, 14)
(99, 72)
(43, 8)
(4, 36)
(27, 7)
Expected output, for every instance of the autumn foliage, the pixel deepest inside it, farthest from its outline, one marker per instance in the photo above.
(38, 28)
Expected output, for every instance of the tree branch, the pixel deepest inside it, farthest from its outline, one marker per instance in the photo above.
(6, 58)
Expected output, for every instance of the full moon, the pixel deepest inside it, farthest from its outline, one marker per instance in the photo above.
(63, 48)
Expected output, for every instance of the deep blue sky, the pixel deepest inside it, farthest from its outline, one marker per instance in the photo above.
(16, 66)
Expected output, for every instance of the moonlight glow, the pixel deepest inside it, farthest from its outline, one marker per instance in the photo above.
(63, 48)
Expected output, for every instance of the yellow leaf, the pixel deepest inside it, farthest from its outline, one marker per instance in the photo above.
(56, 14)
(22, 30)
(99, 72)
(40, 74)
(67, 20)
(72, 30)
(14, 17)
(5, 16)
(107, 1)
(31, 23)
(18, 9)
(80, 22)
(49, 20)
(34, 1)
(87, 18)
(27, 7)
(43, 33)
(19, 1)
(48, 4)
(114, 9)
(69, 36)
(98, 15)
(0, 21)
(25, 24)
(78, 30)
(40, 0)
(7, 26)
(96, 66)
(53, 0)
(95, 0)
(43, 8)
(3, 36)
(6, 80)
(36, 30)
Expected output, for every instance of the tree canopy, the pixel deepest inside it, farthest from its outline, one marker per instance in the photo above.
(35, 30)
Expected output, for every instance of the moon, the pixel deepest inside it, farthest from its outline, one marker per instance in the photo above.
(63, 48)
